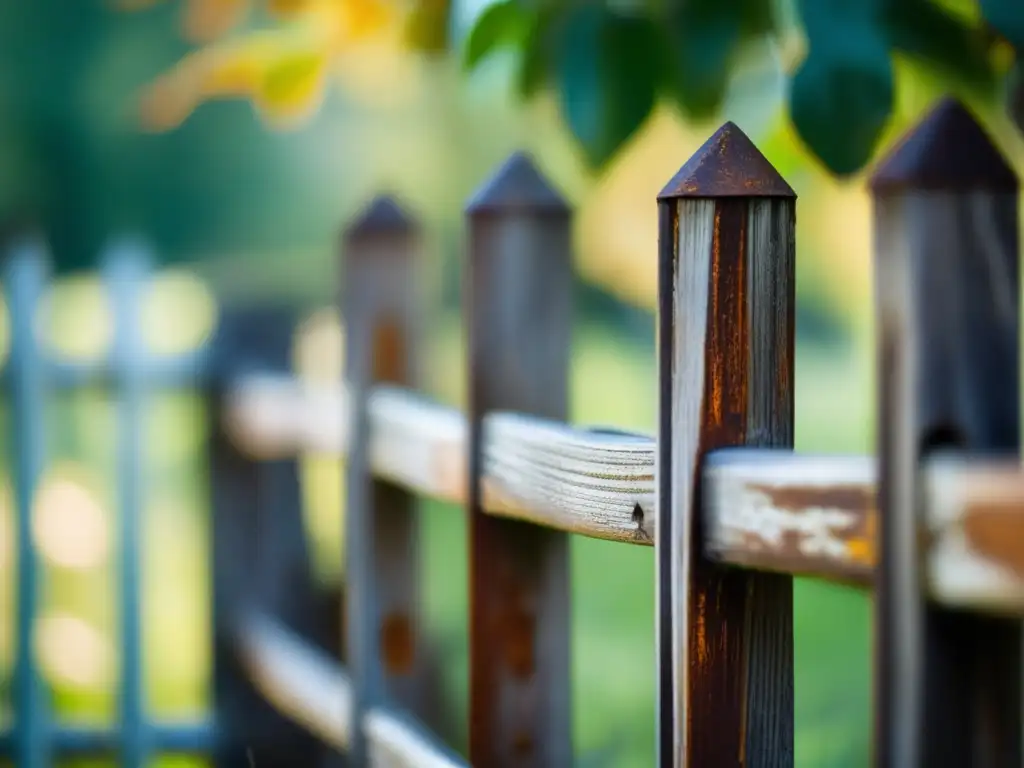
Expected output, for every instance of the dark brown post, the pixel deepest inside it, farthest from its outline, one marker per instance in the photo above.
(518, 311)
(947, 282)
(726, 282)
(384, 653)
(260, 559)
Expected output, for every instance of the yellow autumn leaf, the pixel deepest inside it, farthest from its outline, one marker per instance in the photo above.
(282, 69)
(286, 9)
(237, 68)
(365, 19)
(234, 69)
(292, 87)
(167, 103)
(207, 20)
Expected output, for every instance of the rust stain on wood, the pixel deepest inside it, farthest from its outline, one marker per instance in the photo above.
(863, 549)
(858, 536)
(398, 644)
(849, 498)
(714, 710)
(518, 625)
(701, 632)
(728, 343)
(996, 532)
(389, 363)
(522, 745)
(727, 165)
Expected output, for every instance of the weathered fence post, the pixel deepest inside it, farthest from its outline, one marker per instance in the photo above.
(24, 280)
(126, 268)
(518, 312)
(947, 684)
(384, 652)
(260, 559)
(726, 283)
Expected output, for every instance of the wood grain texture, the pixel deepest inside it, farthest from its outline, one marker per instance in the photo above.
(596, 483)
(381, 312)
(806, 515)
(817, 516)
(518, 319)
(948, 684)
(312, 690)
(726, 365)
(574, 479)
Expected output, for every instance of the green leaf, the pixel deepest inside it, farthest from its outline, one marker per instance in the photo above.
(842, 96)
(927, 32)
(608, 66)
(501, 24)
(1007, 18)
(828, 20)
(758, 17)
(1015, 93)
(704, 37)
(428, 26)
(535, 62)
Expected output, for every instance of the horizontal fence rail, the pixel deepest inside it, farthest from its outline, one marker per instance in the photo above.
(195, 739)
(775, 510)
(313, 690)
(593, 482)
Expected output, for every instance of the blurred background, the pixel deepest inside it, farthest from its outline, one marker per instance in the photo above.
(240, 198)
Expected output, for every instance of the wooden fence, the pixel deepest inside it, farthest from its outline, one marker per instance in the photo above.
(934, 525)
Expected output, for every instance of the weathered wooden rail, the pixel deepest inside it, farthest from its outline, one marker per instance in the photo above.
(934, 524)
(808, 515)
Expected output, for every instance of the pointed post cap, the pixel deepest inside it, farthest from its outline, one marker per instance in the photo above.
(384, 215)
(947, 150)
(517, 186)
(727, 165)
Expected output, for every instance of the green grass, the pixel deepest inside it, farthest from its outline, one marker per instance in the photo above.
(613, 383)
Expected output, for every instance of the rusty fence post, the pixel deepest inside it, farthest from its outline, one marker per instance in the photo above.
(381, 311)
(726, 295)
(518, 314)
(947, 684)
(259, 556)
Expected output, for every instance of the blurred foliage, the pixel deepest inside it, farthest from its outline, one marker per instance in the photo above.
(283, 70)
(74, 164)
(611, 62)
